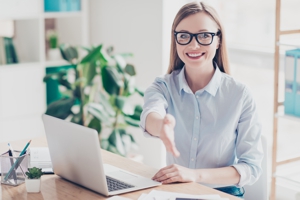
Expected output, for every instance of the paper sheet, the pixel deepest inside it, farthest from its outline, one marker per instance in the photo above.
(163, 195)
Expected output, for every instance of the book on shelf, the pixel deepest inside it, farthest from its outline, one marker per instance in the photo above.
(292, 82)
(61, 5)
(8, 54)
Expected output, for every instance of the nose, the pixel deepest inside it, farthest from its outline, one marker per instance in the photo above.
(194, 43)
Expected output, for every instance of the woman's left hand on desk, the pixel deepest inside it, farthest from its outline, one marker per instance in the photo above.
(175, 173)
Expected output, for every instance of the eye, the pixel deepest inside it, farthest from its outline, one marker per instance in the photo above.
(183, 36)
(204, 35)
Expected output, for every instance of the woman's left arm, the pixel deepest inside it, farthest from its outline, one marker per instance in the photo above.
(177, 173)
(249, 151)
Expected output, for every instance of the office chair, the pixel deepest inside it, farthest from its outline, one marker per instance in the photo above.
(259, 190)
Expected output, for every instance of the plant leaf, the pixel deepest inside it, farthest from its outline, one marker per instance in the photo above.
(95, 123)
(132, 122)
(121, 62)
(98, 111)
(139, 91)
(120, 101)
(116, 141)
(61, 108)
(106, 104)
(129, 85)
(88, 72)
(129, 69)
(104, 144)
(69, 53)
(111, 80)
(77, 119)
(93, 55)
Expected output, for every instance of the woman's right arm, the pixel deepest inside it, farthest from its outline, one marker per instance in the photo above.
(154, 123)
(154, 119)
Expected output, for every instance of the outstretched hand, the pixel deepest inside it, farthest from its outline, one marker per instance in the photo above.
(167, 134)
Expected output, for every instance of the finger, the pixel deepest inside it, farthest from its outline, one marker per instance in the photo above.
(162, 171)
(171, 180)
(167, 176)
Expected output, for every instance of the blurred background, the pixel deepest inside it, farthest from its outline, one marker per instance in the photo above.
(134, 36)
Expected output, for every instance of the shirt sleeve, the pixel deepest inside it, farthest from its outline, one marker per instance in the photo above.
(248, 145)
(154, 101)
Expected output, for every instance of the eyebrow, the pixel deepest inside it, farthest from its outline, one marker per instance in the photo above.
(189, 31)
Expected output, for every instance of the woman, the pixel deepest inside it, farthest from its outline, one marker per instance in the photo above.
(205, 118)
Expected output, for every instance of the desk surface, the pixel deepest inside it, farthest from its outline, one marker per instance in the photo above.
(54, 187)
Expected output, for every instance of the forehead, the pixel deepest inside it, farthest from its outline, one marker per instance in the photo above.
(196, 22)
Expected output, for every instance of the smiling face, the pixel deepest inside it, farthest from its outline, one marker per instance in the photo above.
(195, 54)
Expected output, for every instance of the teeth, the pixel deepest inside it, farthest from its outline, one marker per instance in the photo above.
(194, 54)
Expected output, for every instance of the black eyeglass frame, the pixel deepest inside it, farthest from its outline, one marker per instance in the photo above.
(195, 35)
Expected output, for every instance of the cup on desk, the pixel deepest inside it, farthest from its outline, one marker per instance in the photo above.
(16, 175)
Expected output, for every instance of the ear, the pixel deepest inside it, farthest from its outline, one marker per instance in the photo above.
(218, 45)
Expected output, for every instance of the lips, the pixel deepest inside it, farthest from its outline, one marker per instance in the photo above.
(195, 55)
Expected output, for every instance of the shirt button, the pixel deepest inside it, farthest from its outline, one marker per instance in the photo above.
(195, 138)
(192, 159)
(197, 117)
(197, 96)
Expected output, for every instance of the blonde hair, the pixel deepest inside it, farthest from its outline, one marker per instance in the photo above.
(221, 57)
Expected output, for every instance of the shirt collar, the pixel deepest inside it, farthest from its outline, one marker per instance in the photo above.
(211, 87)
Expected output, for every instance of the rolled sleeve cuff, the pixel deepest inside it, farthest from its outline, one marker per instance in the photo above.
(245, 173)
(143, 122)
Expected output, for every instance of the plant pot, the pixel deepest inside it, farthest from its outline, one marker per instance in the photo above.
(54, 54)
(33, 185)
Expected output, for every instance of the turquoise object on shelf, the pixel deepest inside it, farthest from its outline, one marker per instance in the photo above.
(73, 5)
(55, 5)
(292, 82)
(52, 86)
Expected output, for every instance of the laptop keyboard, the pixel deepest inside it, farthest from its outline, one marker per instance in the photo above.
(114, 184)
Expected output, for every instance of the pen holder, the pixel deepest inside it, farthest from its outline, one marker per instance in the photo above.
(13, 168)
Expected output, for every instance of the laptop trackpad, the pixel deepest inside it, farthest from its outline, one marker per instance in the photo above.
(121, 175)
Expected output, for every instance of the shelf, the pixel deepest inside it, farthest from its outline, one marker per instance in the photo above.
(28, 64)
(291, 43)
(20, 17)
(48, 15)
(56, 63)
(290, 117)
(290, 173)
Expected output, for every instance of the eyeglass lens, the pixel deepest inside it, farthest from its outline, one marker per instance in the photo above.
(185, 38)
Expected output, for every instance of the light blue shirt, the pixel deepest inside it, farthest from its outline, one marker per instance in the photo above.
(216, 127)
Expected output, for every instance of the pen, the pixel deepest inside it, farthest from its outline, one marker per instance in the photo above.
(12, 163)
(17, 161)
(14, 155)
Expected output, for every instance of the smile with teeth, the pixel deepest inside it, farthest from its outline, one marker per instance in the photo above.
(194, 55)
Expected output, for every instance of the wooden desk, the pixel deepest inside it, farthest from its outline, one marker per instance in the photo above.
(53, 187)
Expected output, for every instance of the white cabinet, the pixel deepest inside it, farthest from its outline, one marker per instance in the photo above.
(22, 91)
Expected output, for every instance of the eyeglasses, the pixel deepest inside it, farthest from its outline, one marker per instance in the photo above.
(204, 38)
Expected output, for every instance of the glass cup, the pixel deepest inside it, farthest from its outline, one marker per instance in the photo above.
(13, 168)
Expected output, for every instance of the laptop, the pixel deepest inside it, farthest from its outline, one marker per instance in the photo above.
(76, 156)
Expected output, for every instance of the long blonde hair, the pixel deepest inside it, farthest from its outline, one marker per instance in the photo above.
(221, 57)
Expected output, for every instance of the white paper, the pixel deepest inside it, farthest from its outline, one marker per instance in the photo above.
(163, 195)
(142, 196)
(40, 158)
(118, 198)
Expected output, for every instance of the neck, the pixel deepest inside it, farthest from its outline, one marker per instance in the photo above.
(198, 77)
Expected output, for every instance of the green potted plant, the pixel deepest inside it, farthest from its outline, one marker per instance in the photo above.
(33, 180)
(99, 95)
(53, 51)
